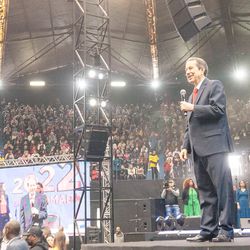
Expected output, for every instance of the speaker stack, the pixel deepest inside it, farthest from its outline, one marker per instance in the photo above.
(137, 215)
(96, 142)
(189, 17)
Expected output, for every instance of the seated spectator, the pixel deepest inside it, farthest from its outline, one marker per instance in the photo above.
(123, 173)
(94, 174)
(131, 172)
(140, 172)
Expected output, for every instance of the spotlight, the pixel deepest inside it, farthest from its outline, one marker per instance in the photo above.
(118, 84)
(168, 220)
(37, 83)
(155, 84)
(103, 104)
(92, 102)
(160, 223)
(92, 73)
(240, 74)
(235, 164)
(180, 219)
(81, 83)
(100, 76)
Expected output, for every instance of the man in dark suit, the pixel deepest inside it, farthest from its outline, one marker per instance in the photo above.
(33, 207)
(207, 138)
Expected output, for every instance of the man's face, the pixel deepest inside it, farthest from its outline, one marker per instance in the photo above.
(39, 189)
(30, 240)
(32, 186)
(193, 74)
(171, 183)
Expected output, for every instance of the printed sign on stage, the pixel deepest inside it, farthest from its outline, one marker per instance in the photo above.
(57, 180)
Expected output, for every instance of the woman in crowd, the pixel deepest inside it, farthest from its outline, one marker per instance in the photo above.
(50, 240)
(4, 208)
(190, 198)
(60, 241)
(242, 199)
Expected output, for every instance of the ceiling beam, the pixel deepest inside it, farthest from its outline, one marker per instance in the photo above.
(3, 27)
(225, 8)
(152, 33)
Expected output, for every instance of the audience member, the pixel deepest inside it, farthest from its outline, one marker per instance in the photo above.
(242, 199)
(4, 208)
(190, 198)
(12, 237)
(35, 238)
(60, 241)
(119, 235)
(153, 163)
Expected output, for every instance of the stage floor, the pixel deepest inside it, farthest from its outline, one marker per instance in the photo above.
(242, 243)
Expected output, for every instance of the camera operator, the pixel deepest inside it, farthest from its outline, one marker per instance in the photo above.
(170, 193)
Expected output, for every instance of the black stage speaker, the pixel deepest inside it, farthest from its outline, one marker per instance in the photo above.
(189, 17)
(245, 222)
(192, 223)
(137, 215)
(96, 140)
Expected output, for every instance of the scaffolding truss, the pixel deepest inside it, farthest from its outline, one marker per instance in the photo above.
(92, 115)
(38, 160)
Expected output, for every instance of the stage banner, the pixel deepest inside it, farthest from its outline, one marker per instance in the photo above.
(57, 180)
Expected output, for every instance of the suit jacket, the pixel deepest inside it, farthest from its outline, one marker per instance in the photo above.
(207, 129)
(17, 243)
(26, 218)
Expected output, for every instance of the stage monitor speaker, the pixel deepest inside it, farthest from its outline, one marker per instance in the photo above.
(245, 222)
(137, 215)
(189, 17)
(192, 223)
(96, 142)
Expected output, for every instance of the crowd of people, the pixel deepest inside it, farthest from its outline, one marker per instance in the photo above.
(31, 131)
(138, 130)
(35, 237)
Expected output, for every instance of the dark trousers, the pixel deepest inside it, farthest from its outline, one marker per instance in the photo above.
(214, 181)
(154, 173)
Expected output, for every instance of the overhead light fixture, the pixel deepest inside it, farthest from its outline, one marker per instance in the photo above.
(37, 83)
(103, 104)
(92, 102)
(155, 84)
(118, 84)
(240, 74)
(81, 83)
(235, 164)
(92, 73)
(100, 76)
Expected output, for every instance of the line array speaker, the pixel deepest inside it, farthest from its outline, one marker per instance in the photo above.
(189, 17)
(96, 140)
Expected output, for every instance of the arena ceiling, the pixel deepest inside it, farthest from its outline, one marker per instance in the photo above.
(39, 38)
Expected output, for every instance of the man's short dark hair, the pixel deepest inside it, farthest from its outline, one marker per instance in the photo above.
(13, 227)
(201, 63)
(35, 231)
(40, 184)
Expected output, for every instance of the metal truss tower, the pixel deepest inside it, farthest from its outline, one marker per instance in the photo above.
(92, 117)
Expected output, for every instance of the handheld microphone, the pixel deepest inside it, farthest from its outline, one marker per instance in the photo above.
(183, 98)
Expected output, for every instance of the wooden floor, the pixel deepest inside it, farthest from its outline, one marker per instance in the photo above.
(242, 243)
